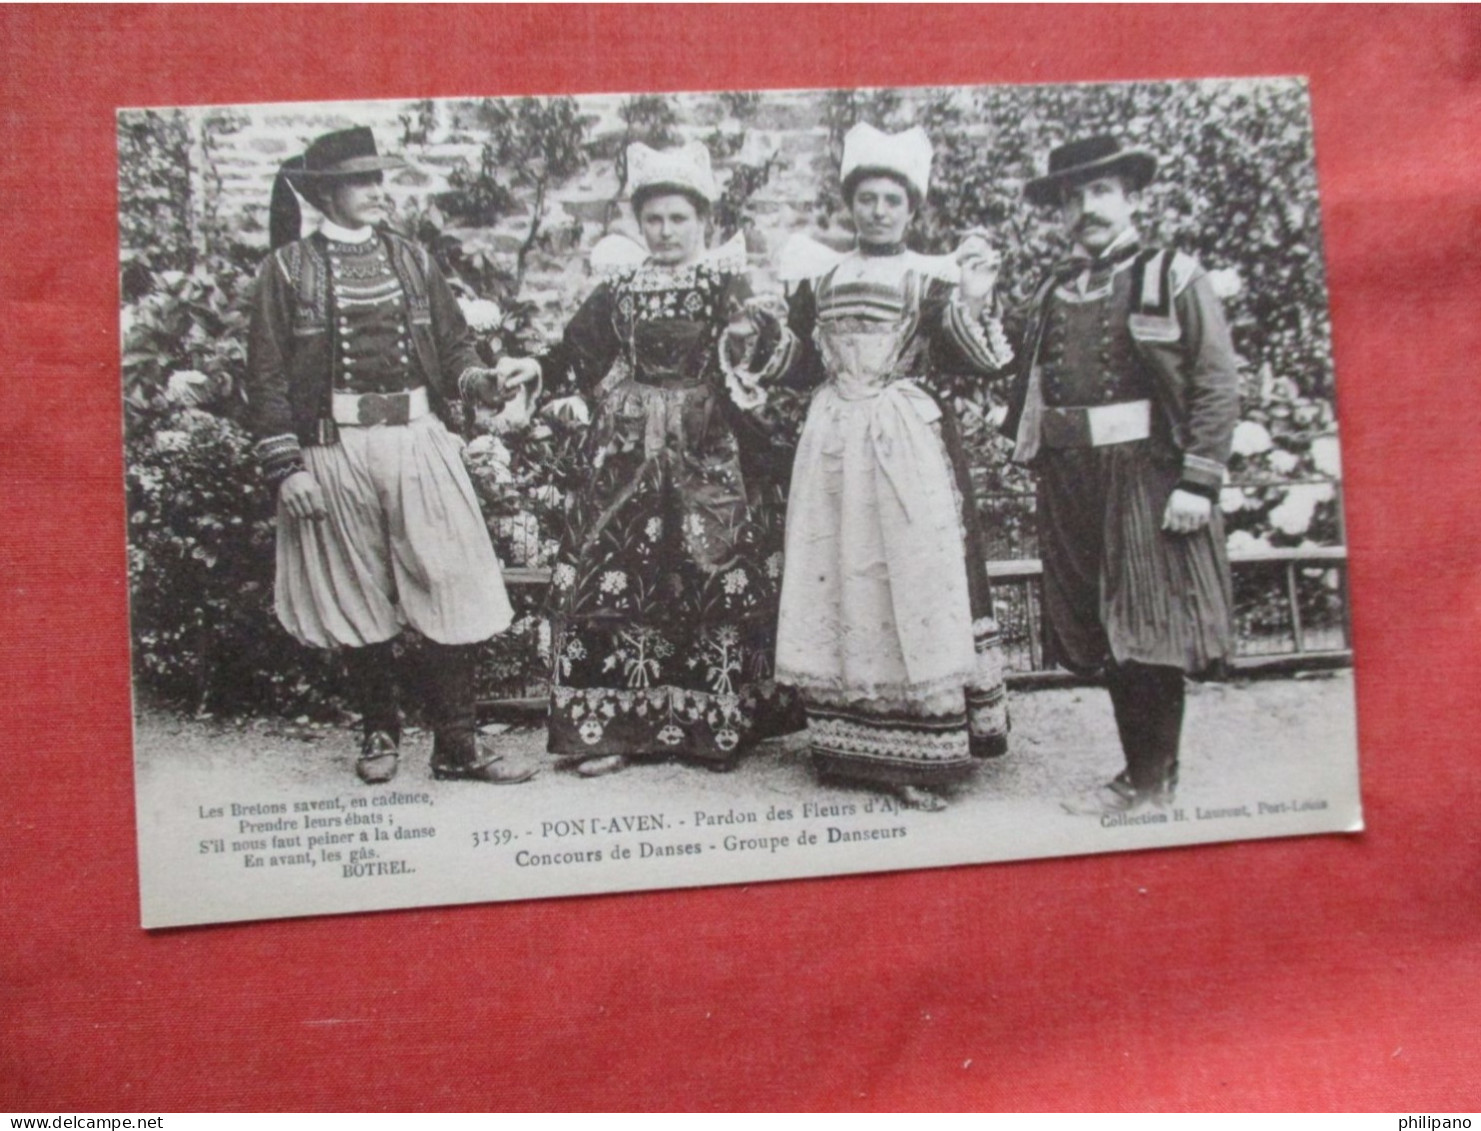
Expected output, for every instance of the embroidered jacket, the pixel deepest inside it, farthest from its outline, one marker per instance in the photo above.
(1180, 339)
(293, 354)
(664, 322)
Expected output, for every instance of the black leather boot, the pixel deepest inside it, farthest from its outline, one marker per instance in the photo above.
(449, 683)
(1148, 700)
(1164, 734)
(372, 687)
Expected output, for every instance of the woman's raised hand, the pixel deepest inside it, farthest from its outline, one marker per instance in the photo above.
(979, 263)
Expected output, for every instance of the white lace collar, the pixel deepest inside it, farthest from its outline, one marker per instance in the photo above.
(618, 255)
(333, 231)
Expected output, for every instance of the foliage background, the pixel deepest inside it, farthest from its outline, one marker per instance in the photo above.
(509, 194)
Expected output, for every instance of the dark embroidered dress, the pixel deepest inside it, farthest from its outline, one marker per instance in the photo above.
(664, 592)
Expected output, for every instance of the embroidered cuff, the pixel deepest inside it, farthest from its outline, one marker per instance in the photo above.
(279, 457)
(981, 339)
(780, 360)
(1202, 476)
(747, 386)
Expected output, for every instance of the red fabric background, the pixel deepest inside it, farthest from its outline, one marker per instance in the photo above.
(1331, 972)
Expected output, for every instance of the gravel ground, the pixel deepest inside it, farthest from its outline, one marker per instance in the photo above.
(1239, 737)
(1260, 758)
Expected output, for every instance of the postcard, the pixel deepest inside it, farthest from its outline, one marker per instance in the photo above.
(535, 497)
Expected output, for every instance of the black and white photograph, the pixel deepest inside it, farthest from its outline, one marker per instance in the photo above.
(545, 496)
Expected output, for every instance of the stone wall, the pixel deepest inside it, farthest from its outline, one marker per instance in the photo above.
(237, 151)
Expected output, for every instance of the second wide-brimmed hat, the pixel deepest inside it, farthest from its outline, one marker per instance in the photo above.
(683, 169)
(1079, 161)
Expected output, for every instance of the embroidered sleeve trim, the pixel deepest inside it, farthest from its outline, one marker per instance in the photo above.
(781, 358)
(748, 386)
(983, 341)
(279, 457)
(1201, 475)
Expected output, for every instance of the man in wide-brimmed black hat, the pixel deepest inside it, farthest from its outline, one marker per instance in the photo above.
(1125, 406)
(356, 354)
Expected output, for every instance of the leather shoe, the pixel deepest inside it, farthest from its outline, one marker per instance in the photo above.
(914, 797)
(601, 766)
(378, 758)
(987, 745)
(1110, 799)
(1118, 796)
(471, 761)
(494, 772)
(1161, 795)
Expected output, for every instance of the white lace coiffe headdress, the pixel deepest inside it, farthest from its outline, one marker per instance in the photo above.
(686, 167)
(906, 154)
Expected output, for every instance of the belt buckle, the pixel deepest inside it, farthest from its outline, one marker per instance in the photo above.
(382, 408)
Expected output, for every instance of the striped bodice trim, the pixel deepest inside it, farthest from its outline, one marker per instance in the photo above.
(875, 302)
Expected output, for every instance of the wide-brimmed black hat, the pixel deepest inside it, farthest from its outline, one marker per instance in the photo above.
(1076, 162)
(342, 153)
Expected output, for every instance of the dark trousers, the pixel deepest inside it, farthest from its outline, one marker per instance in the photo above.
(373, 688)
(445, 683)
(1148, 701)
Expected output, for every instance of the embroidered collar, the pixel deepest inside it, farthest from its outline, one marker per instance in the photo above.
(805, 259)
(727, 259)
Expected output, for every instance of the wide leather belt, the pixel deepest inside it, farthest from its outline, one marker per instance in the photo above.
(366, 409)
(1095, 426)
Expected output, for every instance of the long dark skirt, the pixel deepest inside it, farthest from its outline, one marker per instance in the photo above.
(1116, 585)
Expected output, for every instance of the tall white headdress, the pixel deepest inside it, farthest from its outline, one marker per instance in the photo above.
(687, 167)
(906, 154)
